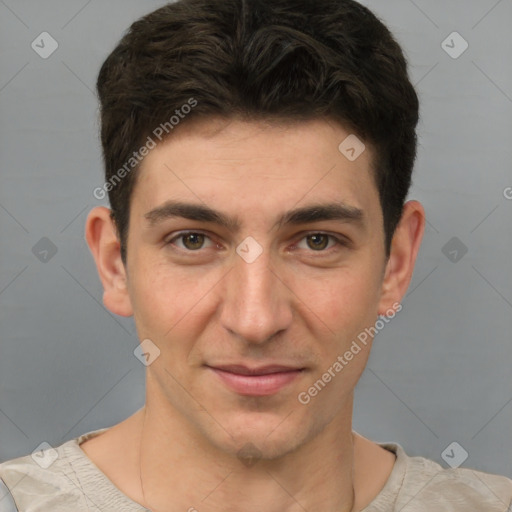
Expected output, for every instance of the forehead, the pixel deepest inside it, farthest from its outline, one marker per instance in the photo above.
(256, 167)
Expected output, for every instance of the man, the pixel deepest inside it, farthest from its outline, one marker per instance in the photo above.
(257, 160)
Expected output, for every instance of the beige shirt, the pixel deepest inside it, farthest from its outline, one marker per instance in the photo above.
(73, 483)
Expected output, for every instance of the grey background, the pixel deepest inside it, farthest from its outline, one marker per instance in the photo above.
(439, 372)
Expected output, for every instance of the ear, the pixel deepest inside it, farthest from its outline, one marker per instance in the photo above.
(101, 236)
(404, 249)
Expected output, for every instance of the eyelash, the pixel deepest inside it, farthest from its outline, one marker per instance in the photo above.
(340, 242)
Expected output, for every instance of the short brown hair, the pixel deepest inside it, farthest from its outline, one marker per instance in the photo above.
(260, 59)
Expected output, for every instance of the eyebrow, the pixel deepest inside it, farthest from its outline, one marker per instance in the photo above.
(313, 213)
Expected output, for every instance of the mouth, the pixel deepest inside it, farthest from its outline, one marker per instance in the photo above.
(258, 381)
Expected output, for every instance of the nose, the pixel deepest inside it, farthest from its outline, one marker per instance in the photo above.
(256, 302)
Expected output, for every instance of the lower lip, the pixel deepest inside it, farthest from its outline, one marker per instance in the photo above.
(257, 385)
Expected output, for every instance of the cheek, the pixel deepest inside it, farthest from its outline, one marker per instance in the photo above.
(167, 300)
(343, 300)
(346, 303)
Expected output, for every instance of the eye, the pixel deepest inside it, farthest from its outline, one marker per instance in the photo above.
(318, 242)
(191, 240)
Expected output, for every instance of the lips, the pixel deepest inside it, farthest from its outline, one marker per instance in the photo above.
(262, 370)
(256, 381)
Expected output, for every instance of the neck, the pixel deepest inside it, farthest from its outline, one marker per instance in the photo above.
(178, 465)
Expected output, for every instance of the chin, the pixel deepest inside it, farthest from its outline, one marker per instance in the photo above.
(258, 436)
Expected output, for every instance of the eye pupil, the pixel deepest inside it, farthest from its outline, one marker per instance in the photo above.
(318, 238)
(196, 239)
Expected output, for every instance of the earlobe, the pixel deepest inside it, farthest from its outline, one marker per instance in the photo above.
(101, 236)
(404, 250)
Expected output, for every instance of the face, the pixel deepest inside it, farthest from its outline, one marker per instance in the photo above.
(255, 258)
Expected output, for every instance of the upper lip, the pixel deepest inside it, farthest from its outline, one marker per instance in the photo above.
(260, 370)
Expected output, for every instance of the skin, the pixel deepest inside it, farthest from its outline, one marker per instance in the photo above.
(293, 305)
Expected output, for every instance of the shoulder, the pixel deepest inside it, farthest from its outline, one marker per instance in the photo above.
(45, 480)
(38, 488)
(426, 486)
